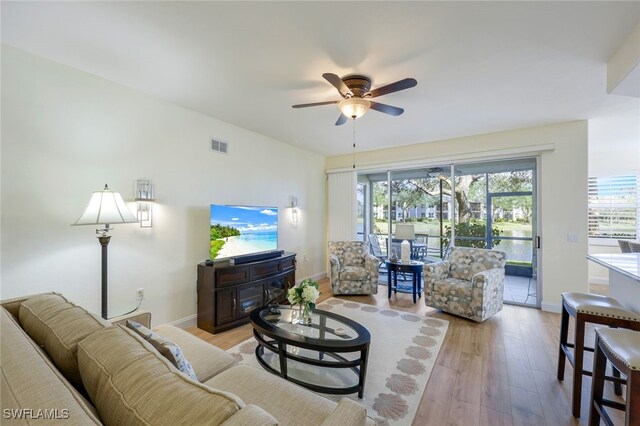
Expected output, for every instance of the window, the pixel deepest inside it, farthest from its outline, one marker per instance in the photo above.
(614, 207)
(361, 203)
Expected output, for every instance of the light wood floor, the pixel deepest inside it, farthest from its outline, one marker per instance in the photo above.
(500, 372)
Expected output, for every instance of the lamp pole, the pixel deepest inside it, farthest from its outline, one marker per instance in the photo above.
(104, 242)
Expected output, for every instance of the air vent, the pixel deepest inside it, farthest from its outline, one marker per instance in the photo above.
(219, 146)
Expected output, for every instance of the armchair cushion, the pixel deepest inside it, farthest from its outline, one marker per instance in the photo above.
(453, 295)
(353, 273)
(466, 262)
(435, 272)
(350, 253)
(453, 288)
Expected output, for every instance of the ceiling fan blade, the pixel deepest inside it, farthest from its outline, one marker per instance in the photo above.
(341, 120)
(314, 104)
(387, 109)
(407, 83)
(337, 83)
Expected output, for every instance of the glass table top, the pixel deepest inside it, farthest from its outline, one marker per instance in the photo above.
(322, 327)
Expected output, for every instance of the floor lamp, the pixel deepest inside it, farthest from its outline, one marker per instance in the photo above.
(105, 208)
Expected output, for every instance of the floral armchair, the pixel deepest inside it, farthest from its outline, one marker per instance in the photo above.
(353, 269)
(470, 283)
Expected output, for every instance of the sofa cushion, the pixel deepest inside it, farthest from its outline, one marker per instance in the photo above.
(131, 383)
(348, 412)
(251, 415)
(29, 380)
(57, 326)
(293, 405)
(166, 347)
(207, 360)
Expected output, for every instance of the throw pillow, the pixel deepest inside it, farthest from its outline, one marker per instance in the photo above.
(167, 348)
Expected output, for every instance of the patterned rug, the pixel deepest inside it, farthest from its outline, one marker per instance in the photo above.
(403, 350)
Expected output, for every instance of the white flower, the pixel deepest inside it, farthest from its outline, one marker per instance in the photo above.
(292, 296)
(310, 294)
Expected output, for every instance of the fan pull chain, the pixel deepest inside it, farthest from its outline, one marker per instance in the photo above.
(354, 143)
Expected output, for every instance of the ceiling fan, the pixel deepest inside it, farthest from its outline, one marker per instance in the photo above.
(357, 94)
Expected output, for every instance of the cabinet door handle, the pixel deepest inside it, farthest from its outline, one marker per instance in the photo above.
(266, 295)
(234, 303)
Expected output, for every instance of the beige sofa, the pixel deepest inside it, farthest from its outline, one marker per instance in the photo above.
(60, 363)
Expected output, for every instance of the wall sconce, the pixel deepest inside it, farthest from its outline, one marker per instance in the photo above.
(145, 200)
(293, 203)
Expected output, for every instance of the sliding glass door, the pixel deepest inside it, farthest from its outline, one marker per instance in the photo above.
(495, 209)
(485, 205)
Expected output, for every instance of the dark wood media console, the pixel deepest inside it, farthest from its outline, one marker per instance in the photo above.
(228, 293)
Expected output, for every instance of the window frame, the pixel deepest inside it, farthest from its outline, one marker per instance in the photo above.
(613, 240)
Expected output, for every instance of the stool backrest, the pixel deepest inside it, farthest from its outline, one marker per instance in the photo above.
(624, 246)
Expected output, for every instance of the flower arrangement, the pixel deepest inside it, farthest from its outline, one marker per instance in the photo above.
(305, 295)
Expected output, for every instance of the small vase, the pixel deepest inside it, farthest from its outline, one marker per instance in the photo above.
(306, 314)
(302, 314)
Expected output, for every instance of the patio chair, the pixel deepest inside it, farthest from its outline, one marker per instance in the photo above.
(470, 283)
(353, 270)
(374, 246)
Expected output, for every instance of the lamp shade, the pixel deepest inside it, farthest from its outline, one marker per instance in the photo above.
(405, 231)
(354, 107)
(106, 207)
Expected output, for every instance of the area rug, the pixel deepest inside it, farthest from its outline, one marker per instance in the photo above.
(403, 350)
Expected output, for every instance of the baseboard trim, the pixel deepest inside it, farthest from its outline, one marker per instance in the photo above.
(551, 307)
(186, 322)
(315, 277)
(598, 280)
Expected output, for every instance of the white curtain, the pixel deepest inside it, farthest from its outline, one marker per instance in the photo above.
(341, 219)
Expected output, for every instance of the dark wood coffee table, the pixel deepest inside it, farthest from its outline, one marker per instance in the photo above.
(283, 344)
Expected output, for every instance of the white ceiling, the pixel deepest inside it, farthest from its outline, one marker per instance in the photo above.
(480, 66)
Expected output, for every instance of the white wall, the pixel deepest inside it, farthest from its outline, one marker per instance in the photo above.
(563, 193)
(66, 133)
(614, 148)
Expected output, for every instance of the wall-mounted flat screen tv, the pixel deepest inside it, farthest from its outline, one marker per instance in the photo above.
(238, 230)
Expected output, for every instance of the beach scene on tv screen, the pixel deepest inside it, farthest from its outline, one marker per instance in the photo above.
(237, 230)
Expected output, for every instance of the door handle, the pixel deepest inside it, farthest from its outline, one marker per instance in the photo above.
(538, 242)
(234, 304)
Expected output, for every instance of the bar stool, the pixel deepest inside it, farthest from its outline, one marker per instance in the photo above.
(594, 309)
(622, 349)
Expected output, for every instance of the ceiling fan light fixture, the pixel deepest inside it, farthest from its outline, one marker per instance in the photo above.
(354, 107)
